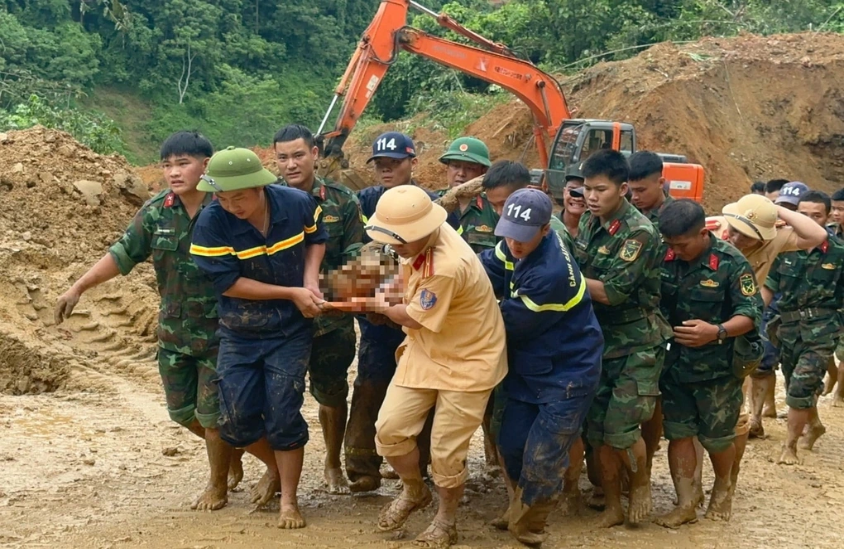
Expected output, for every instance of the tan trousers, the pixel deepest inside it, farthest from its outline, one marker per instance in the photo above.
(456, 418)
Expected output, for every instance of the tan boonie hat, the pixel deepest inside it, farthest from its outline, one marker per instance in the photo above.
(753, 216)
(404, 214)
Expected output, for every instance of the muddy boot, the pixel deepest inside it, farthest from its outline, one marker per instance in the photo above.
(527, 523)
(363, 464)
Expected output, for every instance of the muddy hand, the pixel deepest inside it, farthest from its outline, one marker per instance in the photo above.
(307, 303)
(64, 307)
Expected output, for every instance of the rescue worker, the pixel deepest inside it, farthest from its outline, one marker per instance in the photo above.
(752, 225)
(763, 381)
(554, 347)
(262, 246)
(647, 188)
(394, 158)
(811, 283)
(617, 250)
(758, 187)
(333, 348)
(836, 228)
(466, 159)
(441, 365)
(187, 320)
(710, 297)
(573, 204)
(772, 188)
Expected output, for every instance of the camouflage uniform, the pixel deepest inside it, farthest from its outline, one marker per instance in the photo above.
(701, 396)
(477, 224)
(623, 253)
(837, 231)
(812, 289)
(187, 318)
(333, 347)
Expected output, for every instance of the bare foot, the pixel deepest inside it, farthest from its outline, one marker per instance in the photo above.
(395, 514)
(365, 484)
(838, 401)
(266, 489)
(813, 433)
(388, 473)
(678, 517)
(789, 456)
(570, 503)
(596, 500)
(699, 497)
(212, 499)
(235, 470)
(720, 505)
(756, 430)
(639, 508)
(769, 411)
(336, 482)
(438, 534)
(612, 516)
(290, 518)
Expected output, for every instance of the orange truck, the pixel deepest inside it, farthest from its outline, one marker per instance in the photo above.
(560, 140)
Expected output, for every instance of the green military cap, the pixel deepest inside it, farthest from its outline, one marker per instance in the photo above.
(467, 149)
(234, 170)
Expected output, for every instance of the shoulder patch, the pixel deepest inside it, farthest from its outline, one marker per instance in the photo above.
(630, 250)
(427, 299)
(748, 285)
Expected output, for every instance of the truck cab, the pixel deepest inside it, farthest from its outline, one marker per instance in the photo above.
(578, 139)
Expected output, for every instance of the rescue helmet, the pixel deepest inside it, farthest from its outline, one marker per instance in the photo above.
(235, 169)
(404, 214)
(467, 149)
(754, 216)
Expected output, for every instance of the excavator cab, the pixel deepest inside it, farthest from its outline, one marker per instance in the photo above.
(577, 140)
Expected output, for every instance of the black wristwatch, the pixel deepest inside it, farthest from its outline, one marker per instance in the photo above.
(722, 334)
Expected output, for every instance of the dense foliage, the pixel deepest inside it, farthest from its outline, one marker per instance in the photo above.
(238, 69)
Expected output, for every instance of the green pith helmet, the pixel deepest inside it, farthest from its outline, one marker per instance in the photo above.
(467, 149)
(234, 170)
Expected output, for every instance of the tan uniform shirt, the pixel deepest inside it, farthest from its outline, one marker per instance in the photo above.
(462, 344)
(762, 257)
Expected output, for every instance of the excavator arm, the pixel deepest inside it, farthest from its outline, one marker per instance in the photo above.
(388, 34)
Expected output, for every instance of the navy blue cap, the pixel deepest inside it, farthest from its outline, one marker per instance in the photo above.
(791, 193)
(525, 212)
(392, 145)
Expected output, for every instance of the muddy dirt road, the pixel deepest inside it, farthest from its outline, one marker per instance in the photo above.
(86, 467)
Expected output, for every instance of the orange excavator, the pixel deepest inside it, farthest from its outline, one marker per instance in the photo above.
(571, 140)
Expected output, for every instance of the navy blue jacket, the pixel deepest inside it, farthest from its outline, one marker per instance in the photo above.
(227, 248)
(554, 342)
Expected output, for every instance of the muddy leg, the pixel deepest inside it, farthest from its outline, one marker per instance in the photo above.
(652, 433)
(219, 455)
(797, 420)
(759, 387)
(333, 422)
(815, 430)
(831, 377)
(270, 483)
(593, 472)
(838, 398)
(721, 500)
(236, 468)
(442, 531)
(610, 463)
(363, 464)
(700, 497)
(636, 462)
(682, 460)
(570, 502)
(770, 408)
(290, 470)
(502, 521)
(740, 444)
(414, 496)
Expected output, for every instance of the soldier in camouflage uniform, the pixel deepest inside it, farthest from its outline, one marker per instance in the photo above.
(836, 375)
(812, 287)
(187, 320)
(647, 188)
(710, 297)
(466, 159)
(617, 250)
(333, 347)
